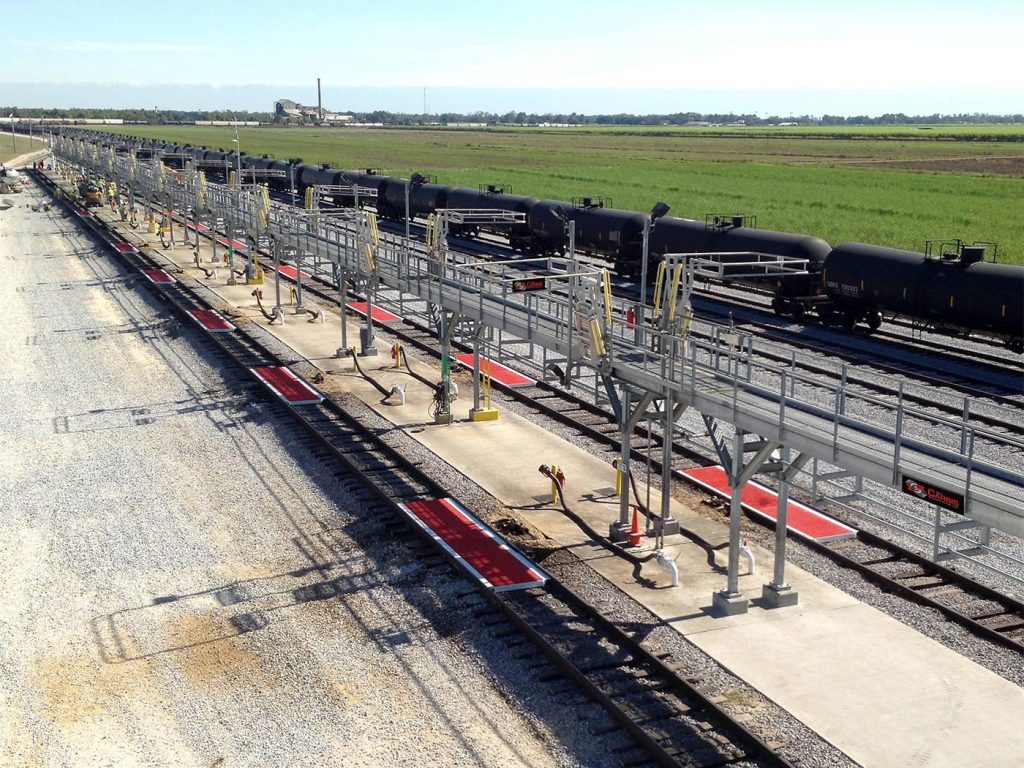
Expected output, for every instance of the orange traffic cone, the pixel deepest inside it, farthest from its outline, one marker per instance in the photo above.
(635, 536)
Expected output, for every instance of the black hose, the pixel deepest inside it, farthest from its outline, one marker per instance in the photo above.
(422, 379)
(258, 294)
(701, 542)
(380, 387)
(594, 536)
(438, 404)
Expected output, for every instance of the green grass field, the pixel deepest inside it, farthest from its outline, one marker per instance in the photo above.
(20, 146)
(890, 185)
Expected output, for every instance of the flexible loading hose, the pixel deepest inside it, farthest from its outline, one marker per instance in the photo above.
(259, 295)
(379, 387)
(594, 536)
(438, 403)
(696, 538)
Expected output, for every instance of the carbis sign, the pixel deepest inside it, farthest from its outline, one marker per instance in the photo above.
(528, 284)
(937, 496)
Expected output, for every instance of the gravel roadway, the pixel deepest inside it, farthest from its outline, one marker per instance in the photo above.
(180, 581)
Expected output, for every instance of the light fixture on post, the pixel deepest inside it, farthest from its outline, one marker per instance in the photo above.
(659, 210)
(250, 271)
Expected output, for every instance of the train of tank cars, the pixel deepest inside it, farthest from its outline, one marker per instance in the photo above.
(951, 289)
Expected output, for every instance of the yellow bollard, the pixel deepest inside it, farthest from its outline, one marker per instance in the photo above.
(291, 299)
(618, 477)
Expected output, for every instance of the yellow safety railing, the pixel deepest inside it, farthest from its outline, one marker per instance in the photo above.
(485, 383)
(431, 231)
(677, 277)
(597, 337)
(659, 283)
(201, 190)
(309, 198)
(369, 256)
(371, 220)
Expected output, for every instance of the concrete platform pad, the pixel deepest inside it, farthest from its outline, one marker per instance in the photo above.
(884, 694)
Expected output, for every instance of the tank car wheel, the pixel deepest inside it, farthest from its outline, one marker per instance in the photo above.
(849, 322)
(778, 306)
(874, 321)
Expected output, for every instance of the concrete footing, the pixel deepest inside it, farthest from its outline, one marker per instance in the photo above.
(729, 604)
(779, 597)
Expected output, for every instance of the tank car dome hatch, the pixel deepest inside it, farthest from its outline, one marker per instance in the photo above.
(972, 254)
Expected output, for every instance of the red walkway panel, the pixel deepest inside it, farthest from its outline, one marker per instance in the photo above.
(83, 213)
(289, 271)
(125, 248)
(498, 372)
(477, 548)
(197, 227)
(211, 320)
(800, 519)
(379, 315)
(237, 245)
(158, 276)
(286, 385)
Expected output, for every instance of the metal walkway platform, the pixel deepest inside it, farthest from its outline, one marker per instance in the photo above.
(569, 310)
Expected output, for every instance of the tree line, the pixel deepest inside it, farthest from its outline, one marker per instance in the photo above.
(155, 116)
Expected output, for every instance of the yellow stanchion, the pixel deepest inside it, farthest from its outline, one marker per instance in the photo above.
(659, 283)
(374, 231)
(486, 412)
(597, 338)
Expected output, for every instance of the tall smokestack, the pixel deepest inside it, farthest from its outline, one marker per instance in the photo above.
(319, 101)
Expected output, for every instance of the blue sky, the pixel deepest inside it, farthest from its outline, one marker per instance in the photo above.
(785, 57)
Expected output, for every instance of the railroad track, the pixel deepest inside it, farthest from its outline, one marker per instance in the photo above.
(987, 613)
(667, 720)
(984, 611)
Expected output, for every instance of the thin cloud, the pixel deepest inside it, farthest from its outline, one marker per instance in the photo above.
(103, 46)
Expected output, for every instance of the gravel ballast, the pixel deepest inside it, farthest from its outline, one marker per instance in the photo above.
(181, 581)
